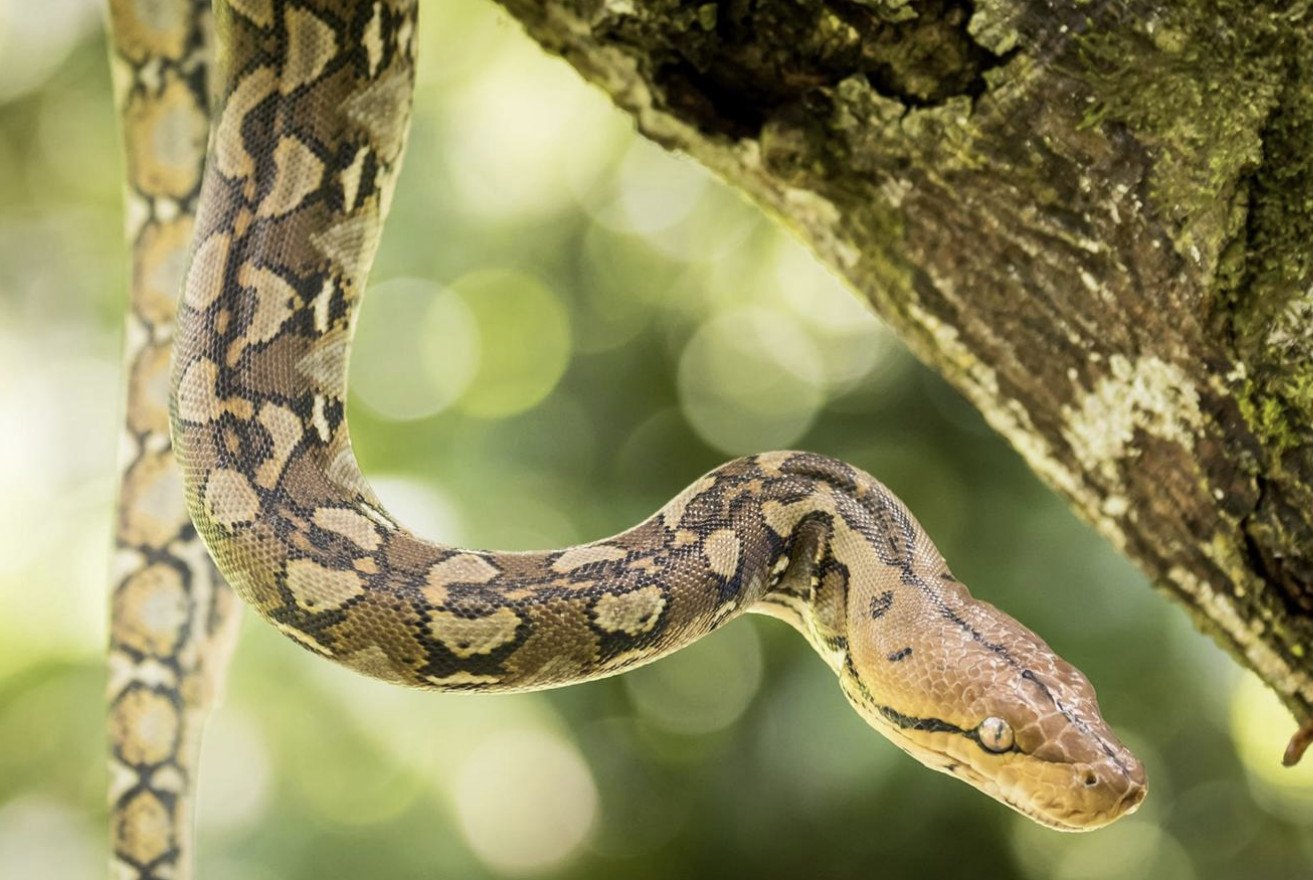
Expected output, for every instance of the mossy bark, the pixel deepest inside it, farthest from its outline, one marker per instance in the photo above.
(1094, 218)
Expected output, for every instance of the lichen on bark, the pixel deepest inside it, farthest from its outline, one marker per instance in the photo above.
(1093, 217)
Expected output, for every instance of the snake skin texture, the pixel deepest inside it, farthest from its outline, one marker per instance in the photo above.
(307, 140)
(172, 617)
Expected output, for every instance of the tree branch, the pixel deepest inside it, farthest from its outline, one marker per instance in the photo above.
(1094, 218)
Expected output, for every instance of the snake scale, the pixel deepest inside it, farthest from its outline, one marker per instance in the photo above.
(172, 617)
(307, 137)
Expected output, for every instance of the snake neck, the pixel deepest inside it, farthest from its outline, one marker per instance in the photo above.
(806, 590)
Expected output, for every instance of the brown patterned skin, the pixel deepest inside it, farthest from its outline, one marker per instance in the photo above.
(172, 618)
(297, 183)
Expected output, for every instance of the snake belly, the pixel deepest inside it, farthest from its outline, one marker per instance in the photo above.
(301, 166)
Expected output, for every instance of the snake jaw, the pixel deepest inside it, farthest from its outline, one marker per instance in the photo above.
(1053, 794)
(1072, 796)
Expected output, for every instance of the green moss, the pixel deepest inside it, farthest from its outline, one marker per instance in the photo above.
(1272, 313)
(1223, 92)
(1279, 256)
(993, 25)
(1197, 84)
(891, 10)
(1279, 413)
(1275, 425)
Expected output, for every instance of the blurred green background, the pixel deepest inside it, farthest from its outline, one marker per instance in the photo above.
(566, 326)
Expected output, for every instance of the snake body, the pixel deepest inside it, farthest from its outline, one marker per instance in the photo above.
(301, 164)
(172, 617)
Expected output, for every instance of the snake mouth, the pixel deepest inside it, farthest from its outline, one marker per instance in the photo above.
(1085, 808)
(1077, 820)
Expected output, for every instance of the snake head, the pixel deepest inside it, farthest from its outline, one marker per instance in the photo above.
(1056, 759)
(969, 691)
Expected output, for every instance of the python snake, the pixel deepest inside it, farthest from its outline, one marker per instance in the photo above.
(307, 138)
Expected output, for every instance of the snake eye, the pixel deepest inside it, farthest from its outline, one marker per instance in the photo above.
(994, 735)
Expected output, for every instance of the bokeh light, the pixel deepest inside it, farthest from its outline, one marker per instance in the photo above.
(524, 138)
(419, 506)
(819, 772)
(523, 337)
(703, 688)
(32, 47)
(416, 350)
(751, 379)
(1136, 848)
(41, 837)
(525, 801)
(853, 341)
(1261, 726)
(1130, 850)
(654, 190)
(239, 774)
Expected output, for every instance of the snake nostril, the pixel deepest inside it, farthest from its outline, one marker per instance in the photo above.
(1090, 779)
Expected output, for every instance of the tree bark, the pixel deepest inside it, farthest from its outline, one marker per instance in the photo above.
(1094, 217)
